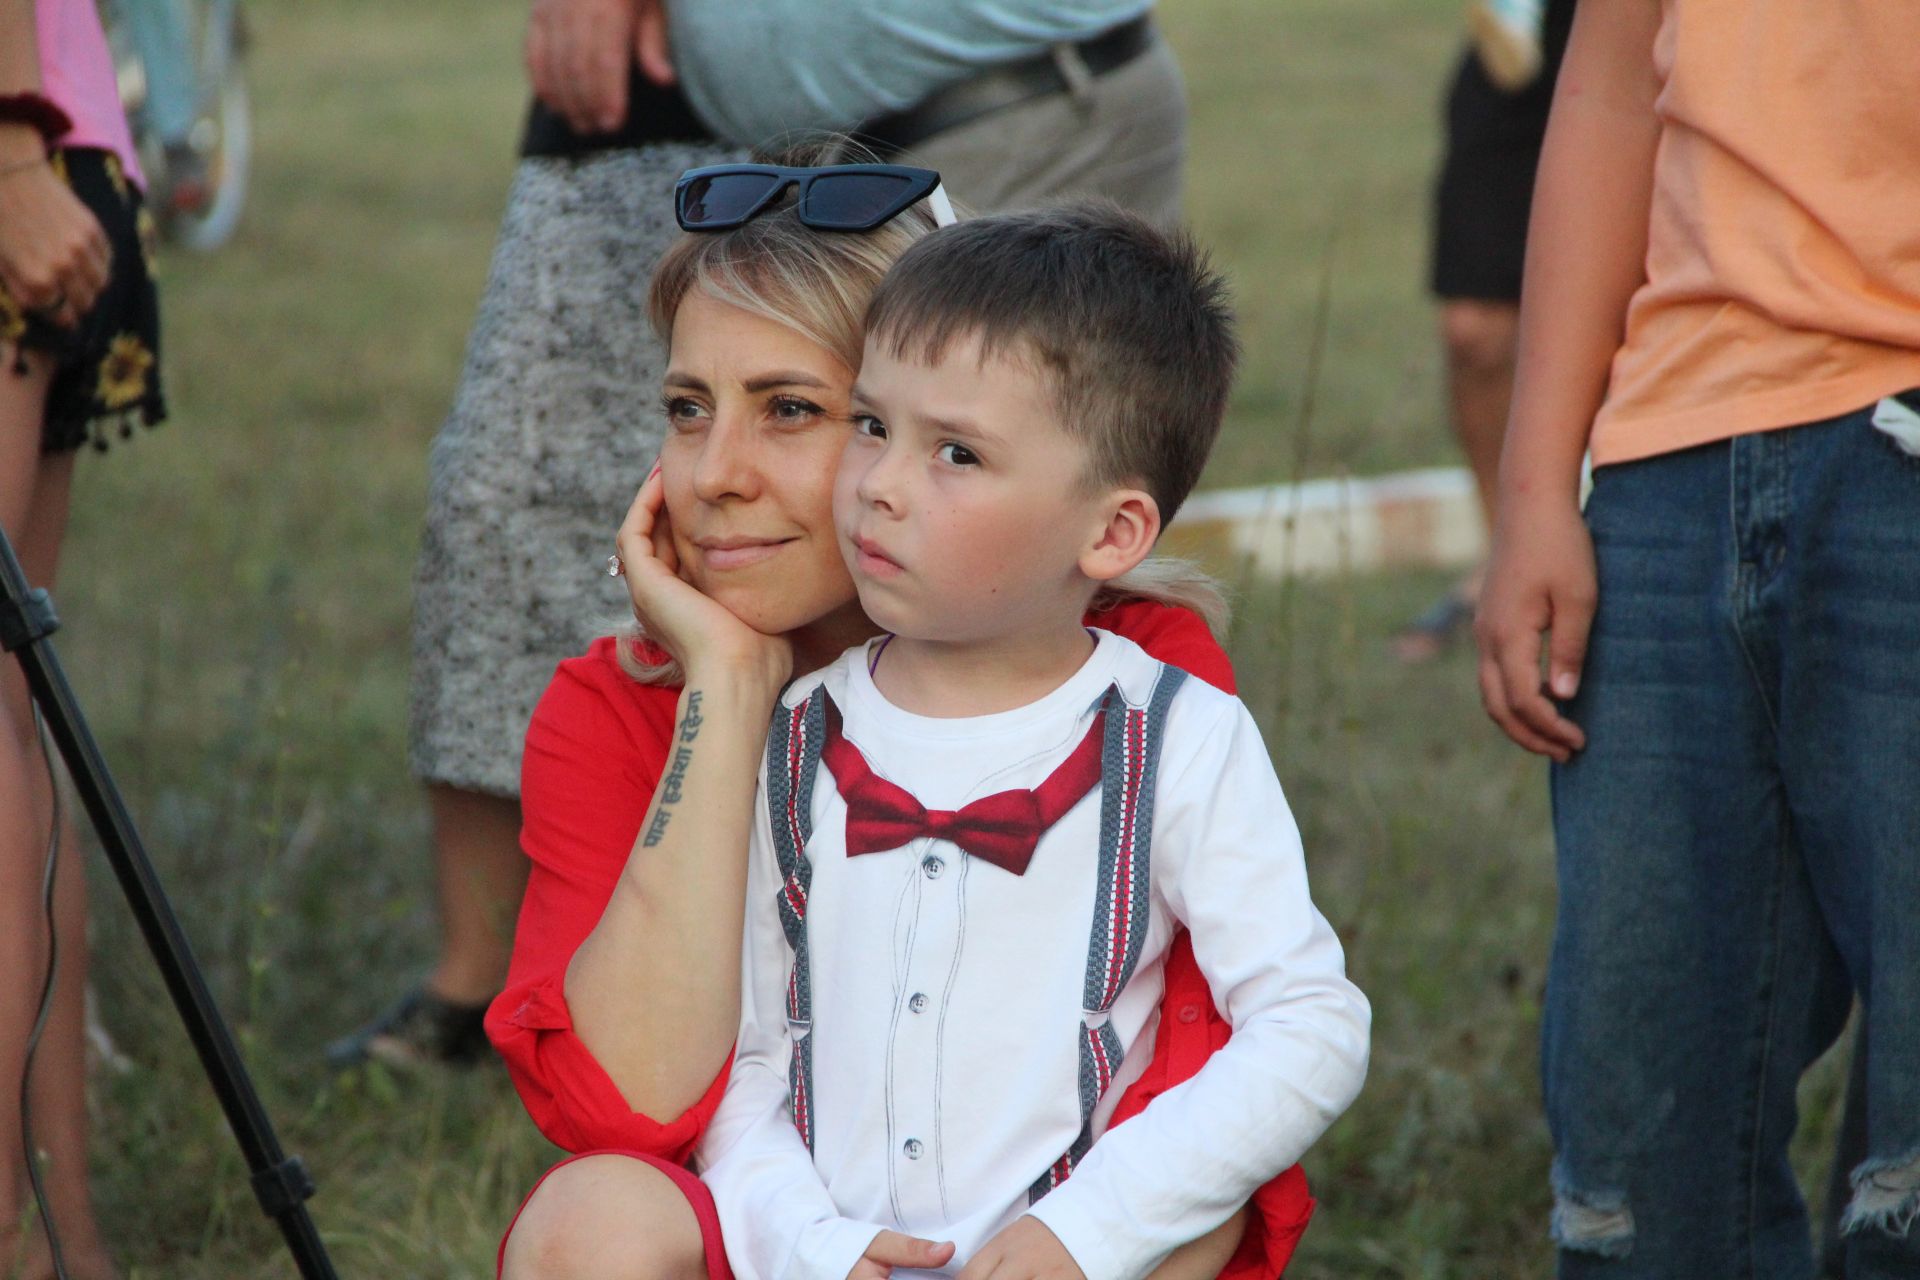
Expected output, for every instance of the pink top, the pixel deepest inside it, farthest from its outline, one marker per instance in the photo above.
(76, 72)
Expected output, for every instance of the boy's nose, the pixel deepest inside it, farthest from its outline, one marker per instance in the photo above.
(879, 484)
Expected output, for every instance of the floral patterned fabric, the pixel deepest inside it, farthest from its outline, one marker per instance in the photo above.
(107, 378)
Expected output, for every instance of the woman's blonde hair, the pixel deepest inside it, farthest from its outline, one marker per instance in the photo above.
(1171, 580)
(818, 283)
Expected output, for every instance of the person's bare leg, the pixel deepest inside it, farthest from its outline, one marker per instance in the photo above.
(481, 877)
(33, 510)
(1479, 339)
(607, 1217)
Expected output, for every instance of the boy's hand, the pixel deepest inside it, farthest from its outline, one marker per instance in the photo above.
(890, 1249)
(1024, 1250)
(1540, 578)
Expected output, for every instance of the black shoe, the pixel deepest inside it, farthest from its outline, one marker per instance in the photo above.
(421, 1030)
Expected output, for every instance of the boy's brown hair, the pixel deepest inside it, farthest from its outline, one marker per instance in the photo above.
(1129, 323)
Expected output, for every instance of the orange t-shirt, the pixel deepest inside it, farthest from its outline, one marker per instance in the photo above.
(1783, 254)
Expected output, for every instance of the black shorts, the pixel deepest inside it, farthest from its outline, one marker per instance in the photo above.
(107, 370)
(1485, 190)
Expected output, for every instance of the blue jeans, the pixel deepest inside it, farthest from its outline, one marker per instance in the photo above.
(162, 32)
(1739, 852)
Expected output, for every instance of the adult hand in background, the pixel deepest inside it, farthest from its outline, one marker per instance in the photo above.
(53, 255)
(891, 1249)
(1540, 579)
(578, 52)
(675, 615)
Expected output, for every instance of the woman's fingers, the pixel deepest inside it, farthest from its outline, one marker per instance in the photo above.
(54, 257)
(663, 548)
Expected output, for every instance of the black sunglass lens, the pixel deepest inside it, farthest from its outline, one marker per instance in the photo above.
(854, 201)
(723, 198)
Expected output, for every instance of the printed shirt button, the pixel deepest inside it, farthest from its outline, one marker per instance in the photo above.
(1189, 1013)
(912, 1148)
(918, 1002)
(932, 866)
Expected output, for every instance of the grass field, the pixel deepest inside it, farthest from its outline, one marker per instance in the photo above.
(236, 597)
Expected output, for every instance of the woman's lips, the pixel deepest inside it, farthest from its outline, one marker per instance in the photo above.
(739, 553)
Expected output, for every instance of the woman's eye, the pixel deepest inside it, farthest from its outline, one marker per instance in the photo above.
(957, 454)
(681, 411)
(865, 424)
(794, 409)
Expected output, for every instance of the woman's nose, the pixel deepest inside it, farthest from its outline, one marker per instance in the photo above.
(726, 467)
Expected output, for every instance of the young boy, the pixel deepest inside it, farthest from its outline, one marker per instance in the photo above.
(977, 833)
(1722, 305)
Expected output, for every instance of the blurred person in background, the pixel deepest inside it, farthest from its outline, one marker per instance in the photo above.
(163, 31)
(79, 330)
(1496, 121)
(1016, 102)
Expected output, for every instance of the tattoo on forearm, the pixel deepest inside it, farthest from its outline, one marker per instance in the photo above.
(676, 776)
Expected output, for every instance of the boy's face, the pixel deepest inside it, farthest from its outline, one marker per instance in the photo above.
(961, 503)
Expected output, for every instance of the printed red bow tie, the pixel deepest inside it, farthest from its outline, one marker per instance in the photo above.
(1003, 828)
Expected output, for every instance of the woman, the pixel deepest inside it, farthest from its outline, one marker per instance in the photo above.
(620, 1010)
(78, 329)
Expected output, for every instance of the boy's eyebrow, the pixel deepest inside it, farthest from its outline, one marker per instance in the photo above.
(863, 399)
(958, 427)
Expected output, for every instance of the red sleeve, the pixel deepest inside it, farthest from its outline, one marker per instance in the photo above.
(1190, 1027)
(1176, 636)
(594, 752)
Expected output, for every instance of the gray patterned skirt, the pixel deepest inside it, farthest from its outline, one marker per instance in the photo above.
(552, 430)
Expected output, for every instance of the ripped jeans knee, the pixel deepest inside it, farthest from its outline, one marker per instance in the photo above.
(1590, 1220)
(1886, 1196)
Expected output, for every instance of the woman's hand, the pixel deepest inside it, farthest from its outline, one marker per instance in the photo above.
(699, 632)
(53, 255)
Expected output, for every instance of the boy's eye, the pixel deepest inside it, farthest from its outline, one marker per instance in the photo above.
(957, 454)
(794, 409)
(865, 424)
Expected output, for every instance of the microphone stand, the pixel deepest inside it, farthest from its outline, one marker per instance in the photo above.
(281, 1182)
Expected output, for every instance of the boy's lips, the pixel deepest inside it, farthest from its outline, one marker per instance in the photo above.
(737, 552)
(872, 560)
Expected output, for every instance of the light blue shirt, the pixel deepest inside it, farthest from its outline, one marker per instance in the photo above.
(758, 69)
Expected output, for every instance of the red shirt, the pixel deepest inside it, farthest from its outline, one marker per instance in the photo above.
(594, 753)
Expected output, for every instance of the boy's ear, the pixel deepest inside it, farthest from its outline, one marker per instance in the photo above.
(1131, 529)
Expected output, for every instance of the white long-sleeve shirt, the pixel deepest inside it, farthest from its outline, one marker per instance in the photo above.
(947, 996)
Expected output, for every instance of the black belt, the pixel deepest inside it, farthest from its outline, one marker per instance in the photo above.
(1004, 86)
(654, 115)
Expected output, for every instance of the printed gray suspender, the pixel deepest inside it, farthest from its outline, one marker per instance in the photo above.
(1127, 768)
(793, 760)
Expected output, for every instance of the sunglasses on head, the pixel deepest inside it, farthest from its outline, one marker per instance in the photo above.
(836, 197)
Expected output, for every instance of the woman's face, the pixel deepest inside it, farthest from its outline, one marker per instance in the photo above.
(757, 417)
